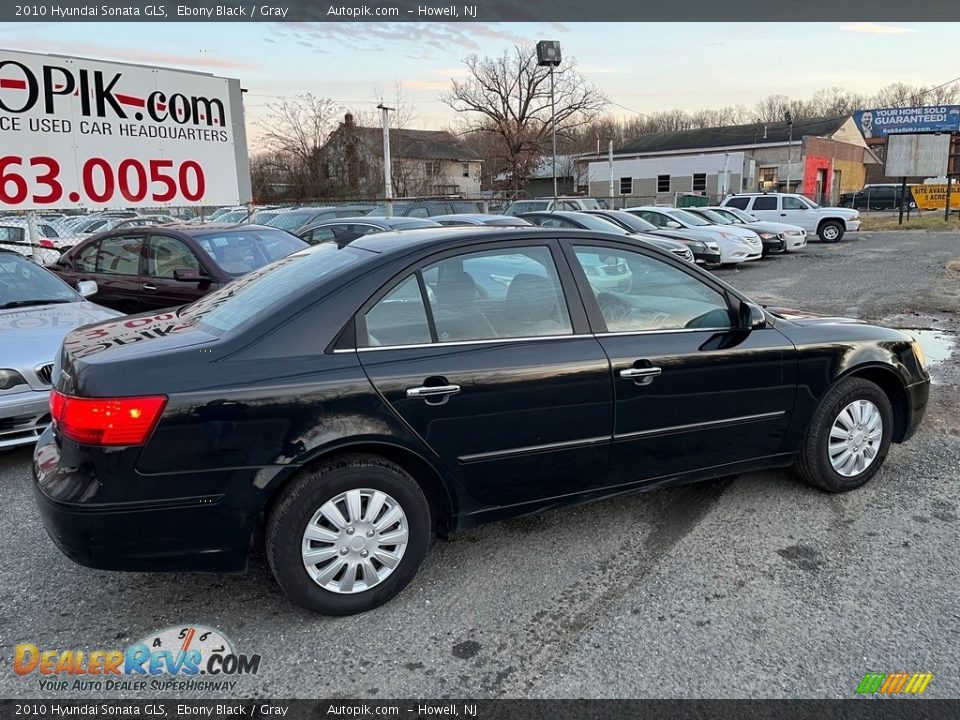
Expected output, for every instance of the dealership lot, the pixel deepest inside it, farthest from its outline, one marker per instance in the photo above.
(755, 586)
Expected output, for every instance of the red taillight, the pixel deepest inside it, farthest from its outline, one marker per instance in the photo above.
(106, 421)
(47, 244)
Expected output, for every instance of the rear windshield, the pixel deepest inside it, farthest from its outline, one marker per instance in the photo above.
(240, 251)
(234, 304)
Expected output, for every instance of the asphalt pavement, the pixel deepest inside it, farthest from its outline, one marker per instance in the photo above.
(750, 587)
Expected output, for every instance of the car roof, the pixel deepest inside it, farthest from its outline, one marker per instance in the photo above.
(402, 242)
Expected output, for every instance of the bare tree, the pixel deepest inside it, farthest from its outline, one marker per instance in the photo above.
(296, 129)
(509, 97)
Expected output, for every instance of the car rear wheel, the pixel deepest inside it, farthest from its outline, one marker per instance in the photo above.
(830, 231)
(848, 437)
(349, 535)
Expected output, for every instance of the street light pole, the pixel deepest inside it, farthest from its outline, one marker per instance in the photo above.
(548, 54)
(387, 170)
(553, 115)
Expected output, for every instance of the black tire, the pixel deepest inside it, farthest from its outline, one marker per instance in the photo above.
(303, 498)
(813, 461)
(831, 231)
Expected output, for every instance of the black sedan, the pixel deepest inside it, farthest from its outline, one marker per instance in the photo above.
(346, 229)
(575, 219)
(354, 399)
(706, 252)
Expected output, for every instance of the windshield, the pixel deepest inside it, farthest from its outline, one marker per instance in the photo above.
(233, 217)
(240, 251)
(688, 218)
(716, 217)
(234, 304)
(24, 283)
(292, 219)
(741, 214)
(604, 224)
(523, 206)
(637, 224)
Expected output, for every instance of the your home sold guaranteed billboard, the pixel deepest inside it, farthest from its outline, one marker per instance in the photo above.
(84, 133)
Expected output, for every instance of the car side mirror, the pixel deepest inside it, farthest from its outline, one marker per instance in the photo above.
(673, 224)
(752, 316)
(187, 275)
(87, 288)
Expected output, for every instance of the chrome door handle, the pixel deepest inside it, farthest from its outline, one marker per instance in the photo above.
(148, 286)
(641, 376)
(429, 391)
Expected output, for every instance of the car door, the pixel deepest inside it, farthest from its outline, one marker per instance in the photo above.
(485, 355)
(795, 211)
(161, 289)
(691, 389)
(117, 272)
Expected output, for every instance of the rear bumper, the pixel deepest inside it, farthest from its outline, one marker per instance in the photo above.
(23, 417)
(200, 533)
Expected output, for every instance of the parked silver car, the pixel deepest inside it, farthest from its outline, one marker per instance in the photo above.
(37, 310)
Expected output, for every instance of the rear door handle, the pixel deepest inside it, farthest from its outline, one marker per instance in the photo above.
(150, 288)
(432, 391)
(641, 376)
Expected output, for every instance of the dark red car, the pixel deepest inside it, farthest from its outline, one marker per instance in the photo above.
(151, 268)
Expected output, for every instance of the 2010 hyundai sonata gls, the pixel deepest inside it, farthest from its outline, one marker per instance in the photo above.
(354, 400)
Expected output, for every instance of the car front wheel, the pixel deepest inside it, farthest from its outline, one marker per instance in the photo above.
(349, 535)
(830, 231)
(848, 437)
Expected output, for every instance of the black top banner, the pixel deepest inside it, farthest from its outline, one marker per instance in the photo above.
(793, 11)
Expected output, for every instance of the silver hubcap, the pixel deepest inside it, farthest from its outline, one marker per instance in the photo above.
(855, 438)
(830, 232)
(355, 541)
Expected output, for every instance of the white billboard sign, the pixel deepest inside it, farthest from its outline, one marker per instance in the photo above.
(78, 133)
(917, 155)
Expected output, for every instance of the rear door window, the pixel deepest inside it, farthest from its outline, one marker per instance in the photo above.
(764, 203)
(120, 255)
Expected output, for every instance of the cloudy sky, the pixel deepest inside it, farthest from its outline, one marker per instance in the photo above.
(643, 67)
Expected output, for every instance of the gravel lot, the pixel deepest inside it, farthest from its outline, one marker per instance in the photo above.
(753, 587)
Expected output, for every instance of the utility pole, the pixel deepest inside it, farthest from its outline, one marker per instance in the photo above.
(610, 166)
(788, 118)
(387, 170)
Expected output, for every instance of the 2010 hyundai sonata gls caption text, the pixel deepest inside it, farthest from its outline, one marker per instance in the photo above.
(355, 399)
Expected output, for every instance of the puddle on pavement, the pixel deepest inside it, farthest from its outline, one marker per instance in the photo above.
(937, 345)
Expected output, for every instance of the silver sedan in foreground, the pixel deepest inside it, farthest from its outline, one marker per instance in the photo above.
(37, 310)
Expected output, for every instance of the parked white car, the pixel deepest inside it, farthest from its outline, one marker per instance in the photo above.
(518, 207)
(736, 245)
(829, 223)
(15, 236)
(794, 236)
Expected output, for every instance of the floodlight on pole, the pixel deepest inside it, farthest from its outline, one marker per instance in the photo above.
(387, 170)
(548, 54)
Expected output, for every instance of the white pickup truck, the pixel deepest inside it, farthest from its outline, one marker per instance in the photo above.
(829, 223)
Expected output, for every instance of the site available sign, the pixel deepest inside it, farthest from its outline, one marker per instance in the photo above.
(895, 121)
(934, 197)
(79, 133)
